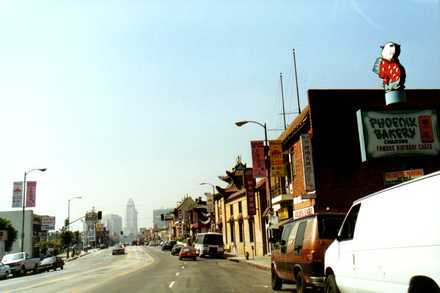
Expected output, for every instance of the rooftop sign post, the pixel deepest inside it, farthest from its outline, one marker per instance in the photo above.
(388, 67)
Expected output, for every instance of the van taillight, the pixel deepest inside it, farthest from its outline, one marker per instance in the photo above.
(311, 255)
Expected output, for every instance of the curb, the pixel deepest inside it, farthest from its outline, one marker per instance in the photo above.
(258, 266)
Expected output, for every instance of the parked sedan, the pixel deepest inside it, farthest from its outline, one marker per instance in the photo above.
(5, 271)
(188, 252)
(176, 249)
(51, 263)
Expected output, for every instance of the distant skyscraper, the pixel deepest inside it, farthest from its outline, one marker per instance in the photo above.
(157, 222)
(113, 223)
(131, 219)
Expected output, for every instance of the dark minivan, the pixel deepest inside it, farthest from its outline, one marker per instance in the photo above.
(298, 257)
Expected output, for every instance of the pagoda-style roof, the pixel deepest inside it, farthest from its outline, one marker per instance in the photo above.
(234, 178)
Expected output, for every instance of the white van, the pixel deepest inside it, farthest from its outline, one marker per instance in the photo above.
(209, 244)
(389, 241)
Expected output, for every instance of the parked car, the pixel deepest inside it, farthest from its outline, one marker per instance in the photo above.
(389, 241)
(168, 245)
(209, 244)
(299, 255)
(20, 263)
(188, 252)
(5, 271)
(51, 263)
(118, 249)
(176, 249)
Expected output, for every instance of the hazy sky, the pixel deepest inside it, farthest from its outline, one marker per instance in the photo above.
(138, 99)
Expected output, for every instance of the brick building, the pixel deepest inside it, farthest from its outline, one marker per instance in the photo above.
(334, 158)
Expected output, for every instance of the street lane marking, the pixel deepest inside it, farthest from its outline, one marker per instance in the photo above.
(171, 285)
(177, 274)
(183, 267)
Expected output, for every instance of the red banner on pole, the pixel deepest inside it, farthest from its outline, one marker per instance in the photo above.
(31, 190)
(258, 164)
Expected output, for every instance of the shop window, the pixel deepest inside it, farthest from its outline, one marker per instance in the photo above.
(239, 207)
(251, 231)
(240, 231)
(231, 209)
(231, 226)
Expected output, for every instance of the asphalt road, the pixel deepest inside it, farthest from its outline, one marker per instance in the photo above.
(145, 269)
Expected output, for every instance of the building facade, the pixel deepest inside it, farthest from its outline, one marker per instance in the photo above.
(243, 232)
(158, 222)
(131, 221)
(113, 223)
(346, 144)
(32, 231)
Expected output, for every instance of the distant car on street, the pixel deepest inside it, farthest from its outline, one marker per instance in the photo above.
(5, 271)
(51, 263)
(188, 252)
(118, 249)
(176, 249)
(168, 245)
(210, 243)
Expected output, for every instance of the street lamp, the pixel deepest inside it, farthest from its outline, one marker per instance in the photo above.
(24, 204)
(266, 155)
(68, 210)
(213, 192)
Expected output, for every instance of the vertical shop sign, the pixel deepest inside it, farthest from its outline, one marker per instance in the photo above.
(258, 163)
(276, 159)
(307, 156)
(249, 184)
(31, 189)
(17, 192)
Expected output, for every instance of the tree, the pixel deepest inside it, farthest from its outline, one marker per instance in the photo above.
(5, 224)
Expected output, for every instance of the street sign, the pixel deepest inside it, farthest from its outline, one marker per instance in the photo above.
(47, 223)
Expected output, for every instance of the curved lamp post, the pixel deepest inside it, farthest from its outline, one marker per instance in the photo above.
(266, 155)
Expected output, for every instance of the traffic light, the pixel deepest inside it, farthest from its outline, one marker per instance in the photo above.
(99, 215)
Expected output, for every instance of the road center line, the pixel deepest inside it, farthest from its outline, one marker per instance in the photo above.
(177, 273)
(171, 285)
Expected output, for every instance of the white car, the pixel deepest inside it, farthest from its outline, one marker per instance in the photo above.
(389, 241)
(5, 271)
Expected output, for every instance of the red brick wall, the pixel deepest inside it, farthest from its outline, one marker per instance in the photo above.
(340, 176)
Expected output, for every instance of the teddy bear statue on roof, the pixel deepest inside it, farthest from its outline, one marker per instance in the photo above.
(388, 67)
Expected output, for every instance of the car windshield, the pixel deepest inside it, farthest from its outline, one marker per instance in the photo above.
(213, 239)
(12, 257)
(328, 225)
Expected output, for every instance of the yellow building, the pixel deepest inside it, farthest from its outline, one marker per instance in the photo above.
(243, 232)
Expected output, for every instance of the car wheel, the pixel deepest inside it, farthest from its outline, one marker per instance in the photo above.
(180, 258)
(330, 284)
(300, 283)
(62, 267)
(276, 283)
(420, 284)
(22, 271)
(194, 258)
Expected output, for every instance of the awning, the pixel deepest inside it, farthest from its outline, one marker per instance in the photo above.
(277, 225)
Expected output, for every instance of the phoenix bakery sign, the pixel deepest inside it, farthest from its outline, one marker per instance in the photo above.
(398, 133)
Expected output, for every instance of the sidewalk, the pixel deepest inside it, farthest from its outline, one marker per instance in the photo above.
(261, 262)
(82, 253)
